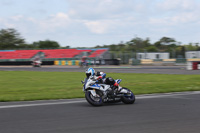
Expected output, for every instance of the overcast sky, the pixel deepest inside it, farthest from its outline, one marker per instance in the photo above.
(101, 22)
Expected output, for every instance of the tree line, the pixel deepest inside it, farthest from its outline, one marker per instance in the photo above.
(165, 44)
(11, 39)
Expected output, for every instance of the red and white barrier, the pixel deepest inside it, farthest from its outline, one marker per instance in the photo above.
(193, 65)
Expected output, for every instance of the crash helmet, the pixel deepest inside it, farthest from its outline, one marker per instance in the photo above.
(90, 72)
(98, 73)
(110, 81)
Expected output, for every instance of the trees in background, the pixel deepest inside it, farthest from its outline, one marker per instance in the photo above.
(46, 44)
(11, 39)
(165, 44)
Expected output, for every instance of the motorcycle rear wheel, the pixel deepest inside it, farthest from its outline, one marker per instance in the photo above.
(95, 101)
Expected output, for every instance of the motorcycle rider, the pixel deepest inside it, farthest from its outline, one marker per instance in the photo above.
(84, 61)
(36, 61)
(101, 77)
(90, 73)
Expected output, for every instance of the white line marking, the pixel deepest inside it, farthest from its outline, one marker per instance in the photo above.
(83, 100)
(166, 95)
(39, 104)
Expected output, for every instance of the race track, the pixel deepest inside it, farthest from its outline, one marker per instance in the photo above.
(160, 113)
(176, 113)
(110, 69)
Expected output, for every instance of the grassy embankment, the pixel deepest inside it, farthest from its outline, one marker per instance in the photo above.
(25, 85)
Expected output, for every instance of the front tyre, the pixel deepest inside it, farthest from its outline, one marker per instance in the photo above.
(128, 98)
(95, 101)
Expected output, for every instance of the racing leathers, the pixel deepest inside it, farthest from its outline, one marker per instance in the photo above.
(100, 77)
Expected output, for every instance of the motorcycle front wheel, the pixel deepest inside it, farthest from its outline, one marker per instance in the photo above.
(95, 101)
(128, 99)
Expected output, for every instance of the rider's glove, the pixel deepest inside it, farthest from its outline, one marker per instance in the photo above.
(100, 77)
(116, 84)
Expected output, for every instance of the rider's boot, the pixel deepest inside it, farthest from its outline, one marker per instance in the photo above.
(111, 92)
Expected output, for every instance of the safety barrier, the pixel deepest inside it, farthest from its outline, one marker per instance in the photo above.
(169, 62)
(67, 62)
(193, 64)
(146, 61)
(75, 62)
(157, 61)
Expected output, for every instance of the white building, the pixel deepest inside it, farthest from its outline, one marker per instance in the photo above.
(153, 55)
(192, 54)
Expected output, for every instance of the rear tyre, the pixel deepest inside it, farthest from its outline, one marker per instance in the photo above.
(128, 99)
(95, 101)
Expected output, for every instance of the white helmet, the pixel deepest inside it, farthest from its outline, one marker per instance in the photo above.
(90, 72)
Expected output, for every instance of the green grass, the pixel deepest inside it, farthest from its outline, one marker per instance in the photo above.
(26, 85)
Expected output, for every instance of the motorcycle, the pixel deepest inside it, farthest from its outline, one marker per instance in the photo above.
(83, 64)
(97, 93)
(36, 63)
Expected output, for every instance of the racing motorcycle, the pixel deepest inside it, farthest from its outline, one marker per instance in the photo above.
(83, 64)
(36, 63)
(97, 93)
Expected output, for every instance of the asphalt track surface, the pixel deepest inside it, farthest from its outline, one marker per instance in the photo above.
(165, 113)
(110, 69)
(160, 113)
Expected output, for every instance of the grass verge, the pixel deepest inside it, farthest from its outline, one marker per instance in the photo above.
(26, 85)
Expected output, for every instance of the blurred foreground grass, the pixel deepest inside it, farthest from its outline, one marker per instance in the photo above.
(26, 85)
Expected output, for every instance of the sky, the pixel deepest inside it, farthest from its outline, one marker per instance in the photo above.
(88, 23)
